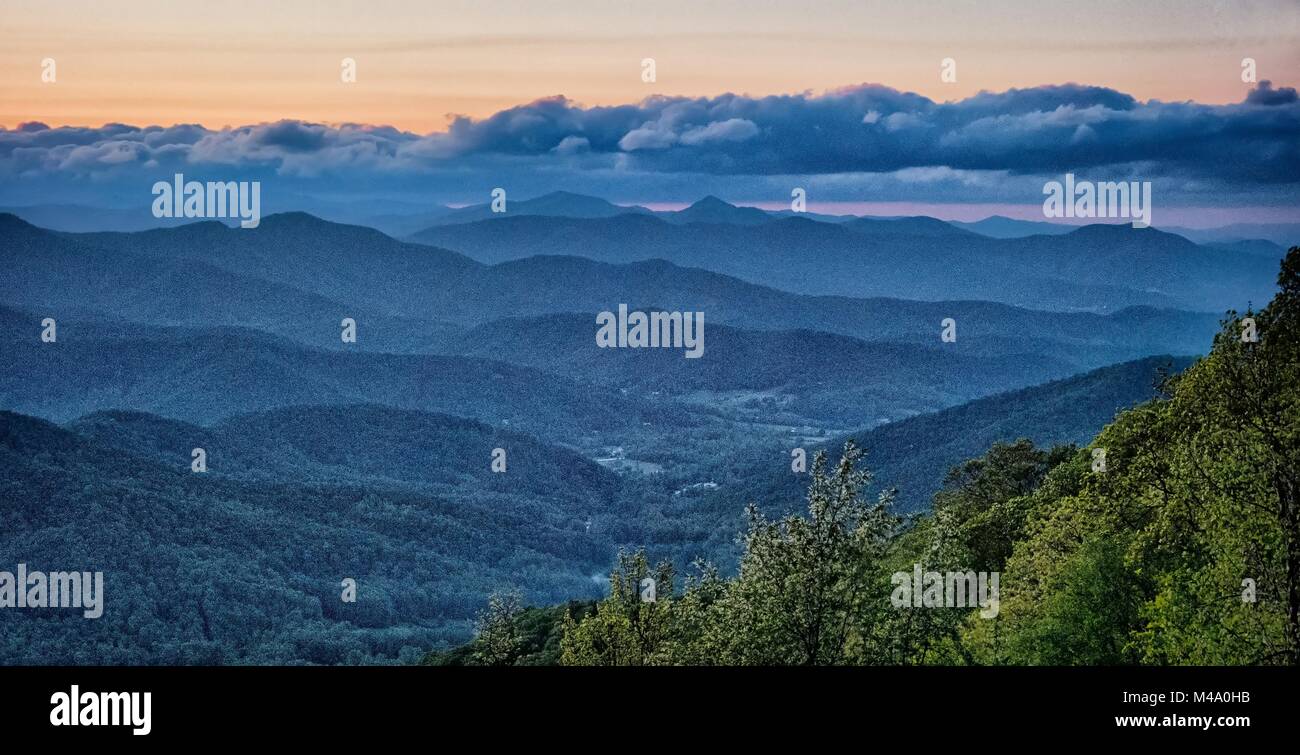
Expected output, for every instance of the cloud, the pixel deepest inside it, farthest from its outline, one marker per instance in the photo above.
(293, 136)
(1265, 94)
(648, 136)
(903, 121)
(858, 131)
(730, 130)
(572, 144)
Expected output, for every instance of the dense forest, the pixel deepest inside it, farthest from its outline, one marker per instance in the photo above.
(243, 564)
(1172, 538)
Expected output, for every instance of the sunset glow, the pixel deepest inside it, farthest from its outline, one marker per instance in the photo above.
(238, 63)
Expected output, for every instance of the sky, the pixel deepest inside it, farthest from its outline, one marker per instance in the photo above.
(458, 97)
(236, 63)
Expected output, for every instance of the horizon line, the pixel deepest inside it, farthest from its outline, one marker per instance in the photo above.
(961, 213)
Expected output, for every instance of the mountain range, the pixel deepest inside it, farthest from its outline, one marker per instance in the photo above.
(372, 459)
(1092, 268)
(402, 219)
(134, 307)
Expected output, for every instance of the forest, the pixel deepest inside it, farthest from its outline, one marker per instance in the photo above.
(1172, 538)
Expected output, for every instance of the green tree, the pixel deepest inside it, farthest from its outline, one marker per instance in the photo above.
(626, 629)
(976, 519)
(698, 633)
(804, 583)
(981, 510)
(498, 641)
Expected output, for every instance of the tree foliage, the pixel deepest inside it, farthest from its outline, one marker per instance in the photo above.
(1173, 538)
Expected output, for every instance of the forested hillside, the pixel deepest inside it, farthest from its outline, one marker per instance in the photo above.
(244, 563)
(1173, 537)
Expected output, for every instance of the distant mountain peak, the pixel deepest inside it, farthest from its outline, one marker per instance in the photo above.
(568, 201)
(15, 230)
(711, 202)
(711, 209)
(11, 222)
(913, 225)
(1100, 228)
(306, 223)
(1114, 230)
(563, 194)
(295, 218)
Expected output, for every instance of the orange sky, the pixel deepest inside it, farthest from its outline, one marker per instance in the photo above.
(234, 63)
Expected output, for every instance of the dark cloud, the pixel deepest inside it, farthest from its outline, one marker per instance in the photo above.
(858, 131)
(1265, 94)
(292, 136)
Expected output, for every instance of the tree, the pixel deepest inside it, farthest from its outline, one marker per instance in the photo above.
(976, 520)
(804, 582)
(981, 510)
(498, 642)
(627, 628)
(698, 633)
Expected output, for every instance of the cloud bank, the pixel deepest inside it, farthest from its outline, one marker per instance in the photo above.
(858, 142)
